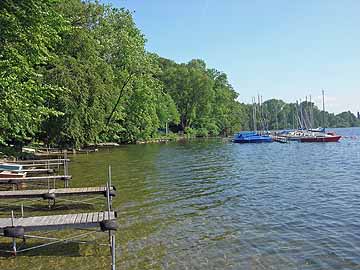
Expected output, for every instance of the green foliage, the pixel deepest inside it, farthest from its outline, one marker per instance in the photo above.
(81, 70)
(77, 72)
(204, 98)
(190, 132)
(202, 132)
(276, 114)
(346, 119)
(28, 32)
(112, 94)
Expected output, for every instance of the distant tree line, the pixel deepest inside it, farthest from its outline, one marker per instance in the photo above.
(275, 114)
(74, 73)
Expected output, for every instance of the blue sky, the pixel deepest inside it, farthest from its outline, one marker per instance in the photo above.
(282, 49)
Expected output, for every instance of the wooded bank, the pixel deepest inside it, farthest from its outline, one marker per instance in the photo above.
(75, 73)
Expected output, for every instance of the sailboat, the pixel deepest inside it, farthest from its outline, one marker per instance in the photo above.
(252, 136)
(321, 137)
(314, 135)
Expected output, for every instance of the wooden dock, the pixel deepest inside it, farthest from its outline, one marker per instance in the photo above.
(59, 192)
(57, 222)
(41, 161)
(34, 178)
(19, 181)
(43, 165)
(37, 171)
(20, 228)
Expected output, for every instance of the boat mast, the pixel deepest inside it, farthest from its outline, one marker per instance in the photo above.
(311, 114)
(276, 114)
(298, 115)
(284, 117)
(259, 110)
(323, 99)
(263, 114)
(254, 113)
(262, 126)
(302, 118)
(307, 114)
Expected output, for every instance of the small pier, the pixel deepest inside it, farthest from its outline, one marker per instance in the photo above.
(59, 192)
(17, 181)
(56, 222)
(41, 161)
(20, 228)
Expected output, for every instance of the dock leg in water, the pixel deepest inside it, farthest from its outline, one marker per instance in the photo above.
(14, 247)
(111, 234)
(14, 239)
(113, 251)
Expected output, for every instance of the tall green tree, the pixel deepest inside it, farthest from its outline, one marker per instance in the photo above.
(29, 30)
(88, 78)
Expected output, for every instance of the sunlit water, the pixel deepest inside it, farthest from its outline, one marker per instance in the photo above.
(212, 204)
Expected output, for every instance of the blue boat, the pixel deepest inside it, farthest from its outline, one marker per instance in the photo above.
(10, 167)
(251, 137)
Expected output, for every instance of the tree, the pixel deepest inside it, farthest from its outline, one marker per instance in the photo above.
(28, 32)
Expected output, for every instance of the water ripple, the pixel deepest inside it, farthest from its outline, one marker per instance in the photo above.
(212, 204)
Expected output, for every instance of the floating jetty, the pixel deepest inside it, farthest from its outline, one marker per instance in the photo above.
(17, 181)
(41, 161)
(59, 192)
(20, 226)
(36, 163)
(52, 194)
(15, 174)
(37, 171)
(18, 173)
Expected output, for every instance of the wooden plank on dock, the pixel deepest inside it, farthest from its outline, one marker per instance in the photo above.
(56, 222)
(32, 171)
(10, 180)
(60, 192)
(43, 165)
(35, 161)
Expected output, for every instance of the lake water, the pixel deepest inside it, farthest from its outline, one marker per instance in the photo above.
(212, 204)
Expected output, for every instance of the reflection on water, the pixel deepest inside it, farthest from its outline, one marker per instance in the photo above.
(211, 204)
(218, 205)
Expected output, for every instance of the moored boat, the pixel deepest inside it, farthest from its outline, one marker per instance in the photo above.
(321, 137)
(12, 174)
(309, 136)
(251, 137)
(10, 167)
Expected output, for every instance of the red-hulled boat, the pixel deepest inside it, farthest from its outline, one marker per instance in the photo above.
(320, 137)
(319, 134)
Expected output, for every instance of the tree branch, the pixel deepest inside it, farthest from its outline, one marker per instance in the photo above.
(118, 100)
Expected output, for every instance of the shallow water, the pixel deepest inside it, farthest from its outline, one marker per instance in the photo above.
(212, 204)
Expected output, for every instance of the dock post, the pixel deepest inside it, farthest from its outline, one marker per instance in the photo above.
(12, 218)
(14, 239)
(109, 205)
(108, 199)
(108, 189)
(113, 252)
(66, 169)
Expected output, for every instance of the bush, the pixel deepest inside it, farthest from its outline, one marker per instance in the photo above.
(202, 132)
(190, 133)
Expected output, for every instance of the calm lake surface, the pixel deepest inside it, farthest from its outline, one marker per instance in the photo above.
(218, 205)
(212, 204)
